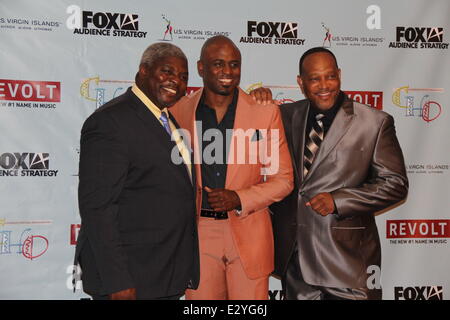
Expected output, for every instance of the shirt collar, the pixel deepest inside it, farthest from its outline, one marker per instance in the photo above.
(148, 103)
(232, 105)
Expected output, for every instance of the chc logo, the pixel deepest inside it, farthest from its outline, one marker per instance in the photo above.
(29, 245)
(418, 102)
(101, 91)
(418, 293)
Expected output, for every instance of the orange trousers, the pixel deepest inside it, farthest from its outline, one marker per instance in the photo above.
(222, 276)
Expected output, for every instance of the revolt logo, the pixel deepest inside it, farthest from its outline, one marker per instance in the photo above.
(371, 98)
(26, 90)
(437, 228)
(272, 33)
(418, 293)
(74, 231)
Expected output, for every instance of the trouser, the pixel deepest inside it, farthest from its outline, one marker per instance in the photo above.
(222, 275)
(295, 287)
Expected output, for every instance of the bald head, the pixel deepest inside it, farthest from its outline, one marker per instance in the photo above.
(220, 66)
(215, 42)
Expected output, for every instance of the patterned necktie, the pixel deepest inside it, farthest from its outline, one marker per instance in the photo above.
(165, 120)
(313, 142)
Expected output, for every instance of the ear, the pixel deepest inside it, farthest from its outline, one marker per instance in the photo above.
(200, 68)
(339, 72)
(300, 83)
(143, 70)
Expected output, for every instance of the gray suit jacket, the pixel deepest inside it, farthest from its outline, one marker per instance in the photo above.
(361, 164)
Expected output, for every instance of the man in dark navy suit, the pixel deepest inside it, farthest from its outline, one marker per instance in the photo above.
(138, 237)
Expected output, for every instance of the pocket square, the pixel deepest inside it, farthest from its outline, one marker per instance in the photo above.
(257, 135)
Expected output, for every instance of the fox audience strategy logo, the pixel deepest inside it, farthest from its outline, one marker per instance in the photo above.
(419, 38)
(268, 32)
(418, 293)
(26, 164)
(103, 23)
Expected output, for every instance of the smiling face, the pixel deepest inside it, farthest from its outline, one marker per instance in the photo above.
(320, 80)
(165, 82)
(220, 67)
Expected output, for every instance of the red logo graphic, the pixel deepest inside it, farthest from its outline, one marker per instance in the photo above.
(427, 115)
(74, 230)
(24, 90)
(33, 244)
(371, 98)
(418, 102)
(417, 229)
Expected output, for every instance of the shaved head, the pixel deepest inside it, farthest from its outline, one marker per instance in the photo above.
(217, 41)
(220, 66)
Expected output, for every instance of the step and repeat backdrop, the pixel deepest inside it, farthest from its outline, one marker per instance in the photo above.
(61, 60)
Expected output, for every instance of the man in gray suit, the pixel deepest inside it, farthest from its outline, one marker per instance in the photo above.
(348, 165)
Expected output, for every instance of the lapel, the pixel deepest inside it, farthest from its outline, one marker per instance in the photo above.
(298, 127)
(191, 126)
(187, 146)
(155, 128)
(341, 123)
(242, 120)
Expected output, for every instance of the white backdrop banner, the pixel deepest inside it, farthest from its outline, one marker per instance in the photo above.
(60, 60)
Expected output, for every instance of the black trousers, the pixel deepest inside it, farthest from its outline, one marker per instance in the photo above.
(295, 288)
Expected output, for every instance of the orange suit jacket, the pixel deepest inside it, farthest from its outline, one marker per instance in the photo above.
(252, 231)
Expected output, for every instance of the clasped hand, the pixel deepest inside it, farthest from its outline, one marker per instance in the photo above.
(322, 204)
(223, 199)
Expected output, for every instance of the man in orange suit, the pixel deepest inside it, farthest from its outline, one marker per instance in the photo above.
(243, 165)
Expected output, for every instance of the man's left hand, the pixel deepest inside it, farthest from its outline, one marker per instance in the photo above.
(223, 199)
(262, 95)
(322, 203)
